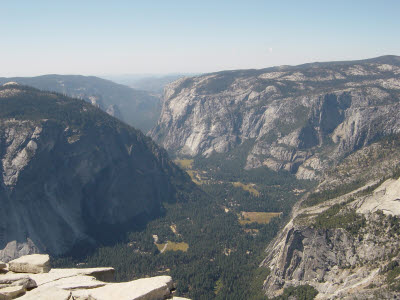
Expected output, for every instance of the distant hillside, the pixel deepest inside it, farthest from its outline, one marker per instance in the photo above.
(72, 173)
(151, 83)
(137, 108)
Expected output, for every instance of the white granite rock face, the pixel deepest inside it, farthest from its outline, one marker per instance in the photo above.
(103, 274)
(51, 293)
(20, 139)
(282, 118)
(385, 198)
(339, 263)
(34, 263)
(11, 292)
(13, 279)
(147, 288)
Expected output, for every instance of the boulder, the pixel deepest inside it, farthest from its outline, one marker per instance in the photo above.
(11, 292)
(103, 274)
(34, 263)
(76, 282)
(62, 288)
(11, 279)
(148, 288)
(51, 293)
(2, 265)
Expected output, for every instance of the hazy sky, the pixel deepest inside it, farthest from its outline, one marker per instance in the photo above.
(119, 37)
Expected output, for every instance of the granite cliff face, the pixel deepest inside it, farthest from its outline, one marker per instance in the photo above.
(137, 108)
(343, 237)
(346, 248)
(70, 171)
(299, 118)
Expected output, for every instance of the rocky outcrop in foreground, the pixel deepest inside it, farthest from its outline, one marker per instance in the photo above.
(30, 278)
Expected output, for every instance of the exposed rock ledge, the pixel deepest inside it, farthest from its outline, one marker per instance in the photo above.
(338, 263)
(79, 284)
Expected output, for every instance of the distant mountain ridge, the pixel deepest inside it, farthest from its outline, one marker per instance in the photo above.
(72, 173)
(151, 83)
(287, 117)
(137, 108)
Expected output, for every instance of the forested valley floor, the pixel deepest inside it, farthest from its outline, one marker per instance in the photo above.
(211, 244)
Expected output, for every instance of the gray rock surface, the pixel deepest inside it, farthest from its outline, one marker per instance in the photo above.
(51, 293)
(339, 263)
(12, 279)
(16, 249)
(146, 288)
(292, 118)
(34, 263)
(101, 274)
(386, 198)
(11, 292)
(114, 111)
(80, 284)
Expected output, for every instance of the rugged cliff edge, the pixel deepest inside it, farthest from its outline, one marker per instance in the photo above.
(346, 247)
(70, 171)
(343, 238)
(299, 118)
